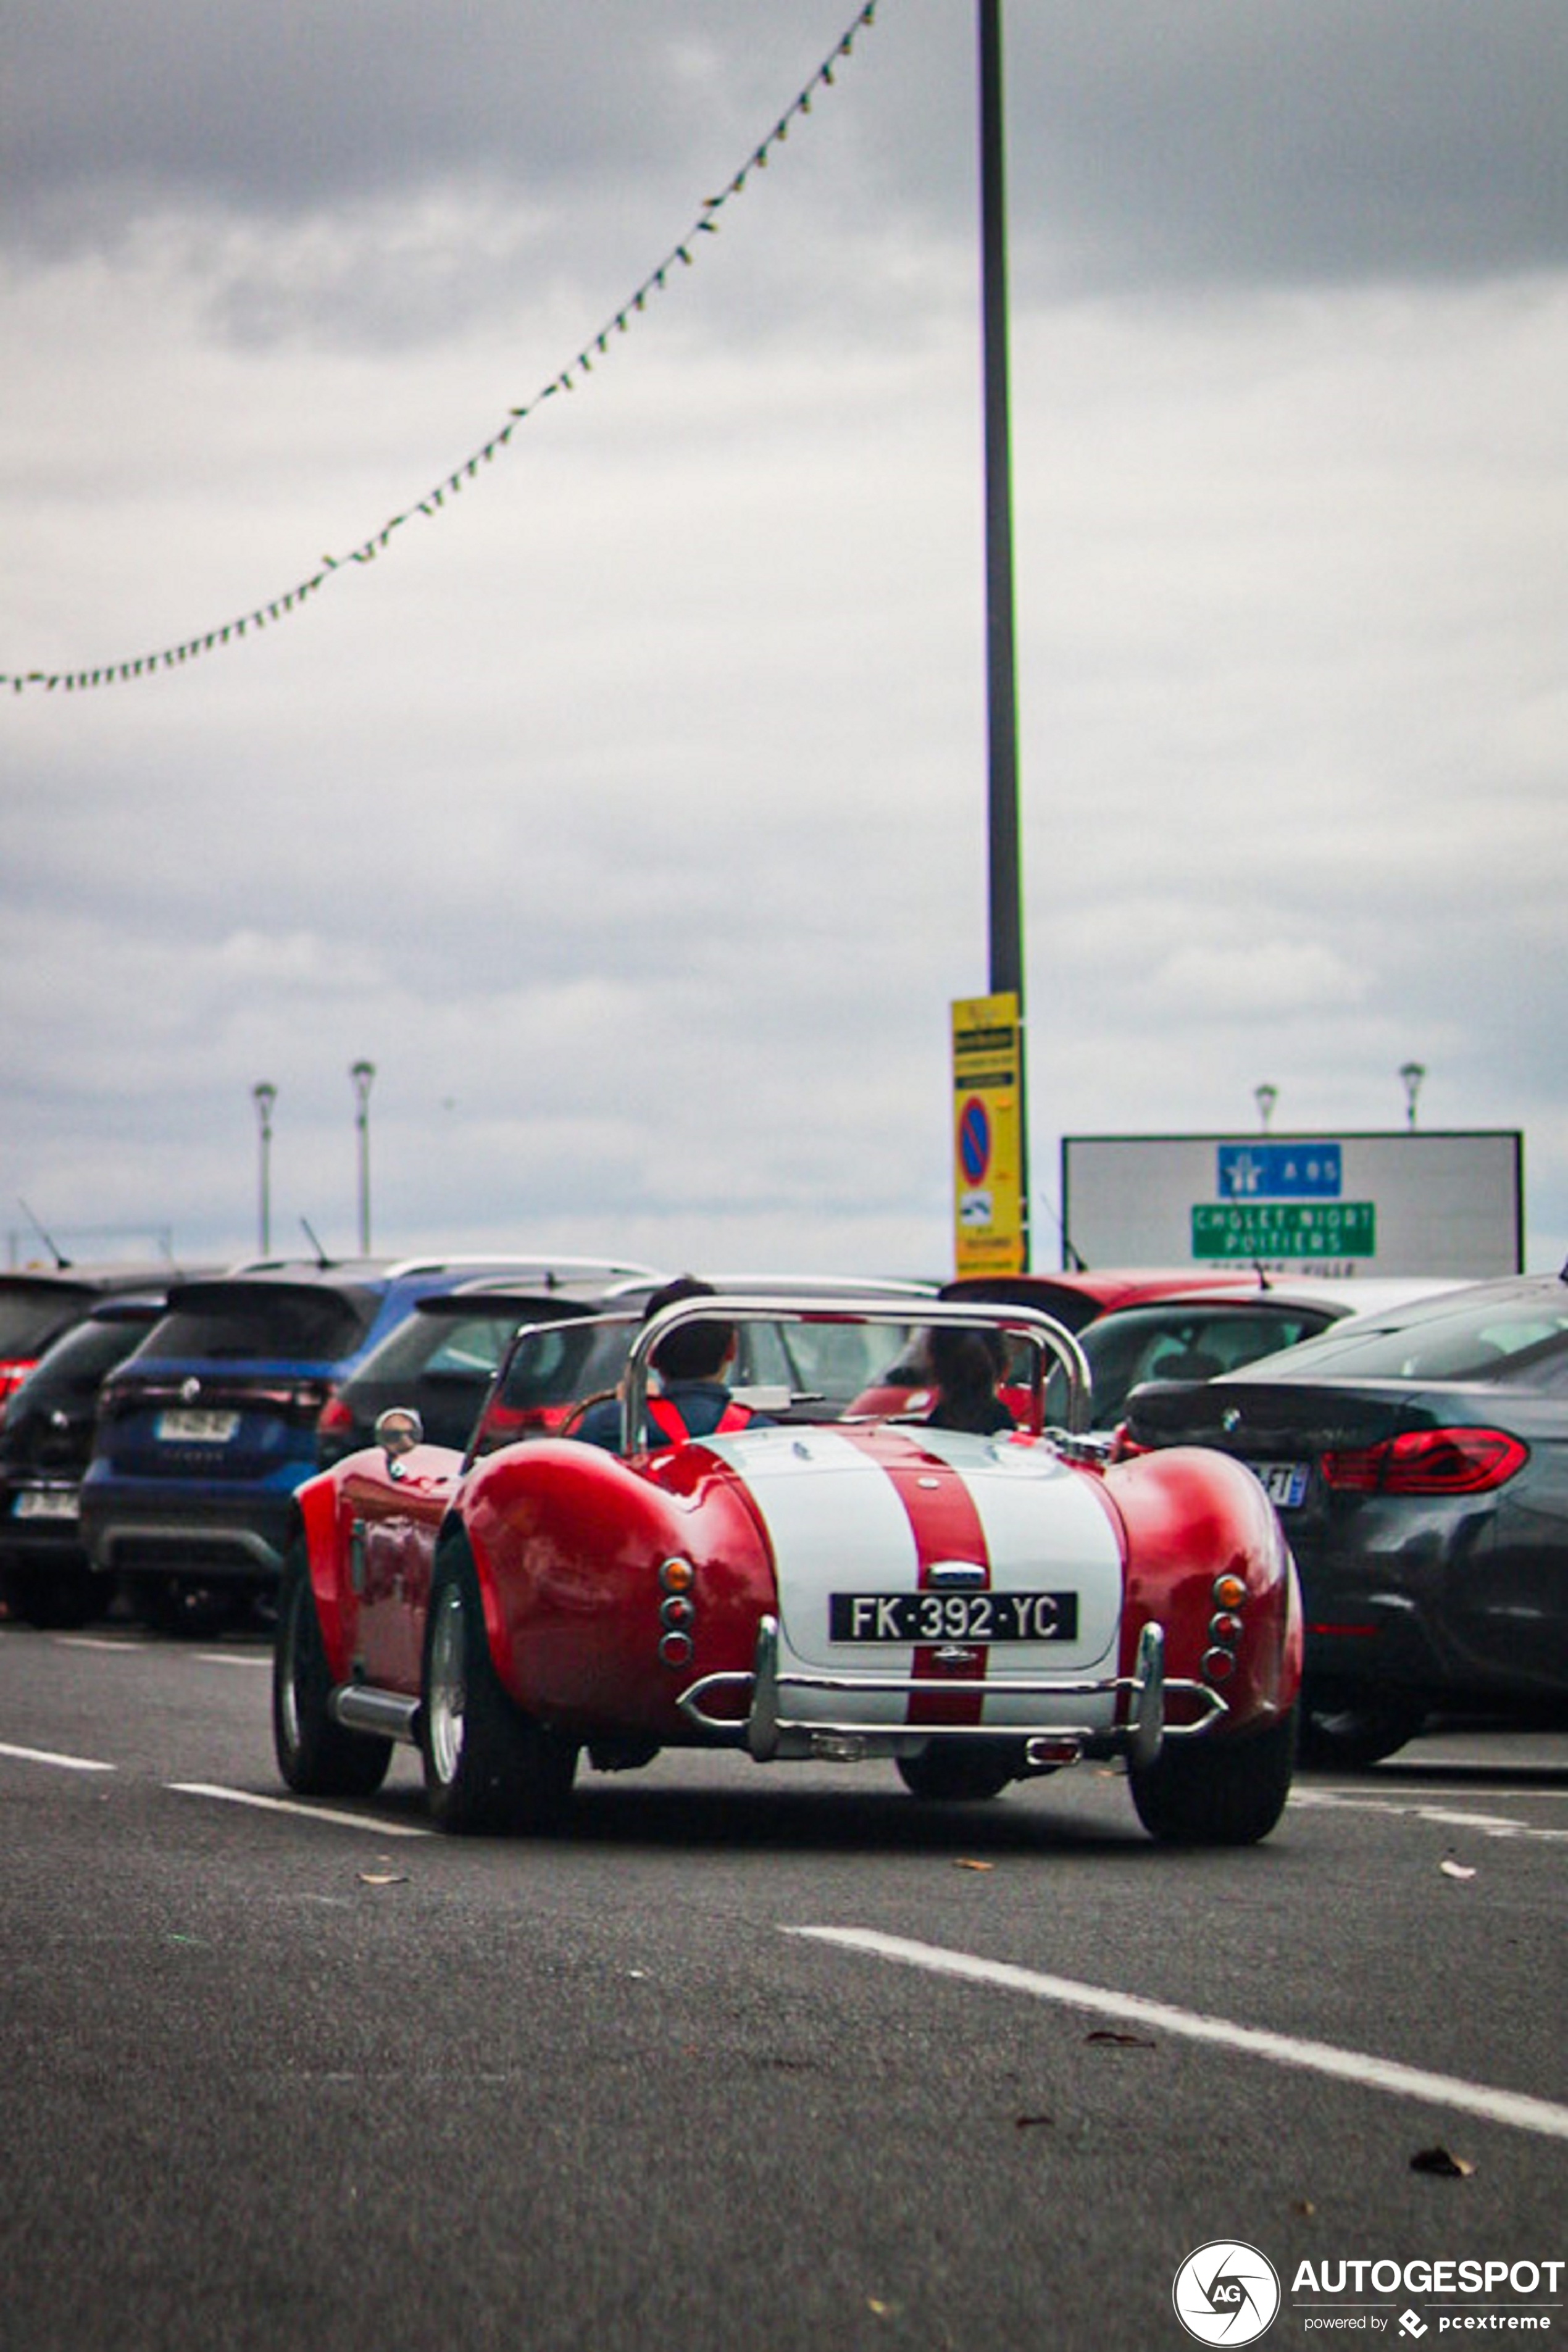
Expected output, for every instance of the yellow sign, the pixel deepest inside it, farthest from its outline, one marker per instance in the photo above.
(987, 1156)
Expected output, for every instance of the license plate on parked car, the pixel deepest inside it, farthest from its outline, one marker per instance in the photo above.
(954, 1616)
(189, 1424)
(45, 1503)
(1284, 1483)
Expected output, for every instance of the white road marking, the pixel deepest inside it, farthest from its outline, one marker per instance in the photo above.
(379, 1829)
(1493, 1825)
(235, 1658)
(1524, 2113)
(66, 1763)
(125, 1642)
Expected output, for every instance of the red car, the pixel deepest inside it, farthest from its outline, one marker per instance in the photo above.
(974, 1609)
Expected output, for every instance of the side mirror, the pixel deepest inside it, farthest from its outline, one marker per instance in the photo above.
(398, 1431)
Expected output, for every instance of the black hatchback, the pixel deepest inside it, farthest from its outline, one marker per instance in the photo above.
(1418, 1461)
(45, 1440)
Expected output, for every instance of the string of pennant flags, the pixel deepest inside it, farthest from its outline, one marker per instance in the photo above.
(681, 255)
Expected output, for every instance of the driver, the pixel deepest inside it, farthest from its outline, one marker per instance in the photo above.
(693, 1398)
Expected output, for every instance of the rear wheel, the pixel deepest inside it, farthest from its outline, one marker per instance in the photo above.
(488, 1766)
(316, 1756)
(957, 1771)
(1345, 1739)
(1216, 1791)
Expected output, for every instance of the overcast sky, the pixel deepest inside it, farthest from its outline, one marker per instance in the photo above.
(628, 810)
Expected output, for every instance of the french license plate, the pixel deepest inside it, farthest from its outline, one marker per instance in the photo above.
(188, 1426)
(45, 1503)
(953, 1616)
(1284, 1483)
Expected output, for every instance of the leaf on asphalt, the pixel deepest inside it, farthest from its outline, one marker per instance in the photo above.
(1441, 2161)
(1127, 2041)
(383, 1878)
(1455, 1869)
(974, 1866)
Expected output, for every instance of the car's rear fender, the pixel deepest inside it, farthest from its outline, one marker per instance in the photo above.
(1193, 1517)
(572, 1549)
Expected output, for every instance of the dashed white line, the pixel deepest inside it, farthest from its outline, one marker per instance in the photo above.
(377, 1828)
(1493, 1825)
(65, 1763)
(1513, 2107)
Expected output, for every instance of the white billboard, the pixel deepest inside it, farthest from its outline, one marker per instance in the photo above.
(1410, 1202)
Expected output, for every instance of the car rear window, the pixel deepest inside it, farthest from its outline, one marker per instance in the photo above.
(1524, 1341)
(274, 1326)
(559, 1365)
(30, 1311)
(467, 1345)
(77, 1363)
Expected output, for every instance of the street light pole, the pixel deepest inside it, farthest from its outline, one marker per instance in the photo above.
(363, 1073)
(1005, 887)
(264, 1096)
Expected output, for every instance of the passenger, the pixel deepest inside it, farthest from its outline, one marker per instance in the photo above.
(693, 1399)
(967, 1367)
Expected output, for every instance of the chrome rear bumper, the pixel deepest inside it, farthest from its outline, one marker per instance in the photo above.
(769, 1732)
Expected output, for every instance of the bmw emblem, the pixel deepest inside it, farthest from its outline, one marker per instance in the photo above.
(1230, 1420)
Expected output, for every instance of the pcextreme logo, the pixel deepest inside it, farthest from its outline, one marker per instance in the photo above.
(1226, 2292)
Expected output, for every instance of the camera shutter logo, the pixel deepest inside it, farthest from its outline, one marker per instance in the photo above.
(1226, 2292)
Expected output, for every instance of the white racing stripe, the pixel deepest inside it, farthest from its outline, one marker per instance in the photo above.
(377, 1828)
(1356, 2066)
(65, 1763)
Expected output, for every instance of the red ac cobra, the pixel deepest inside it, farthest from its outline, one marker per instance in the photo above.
(978, 1610)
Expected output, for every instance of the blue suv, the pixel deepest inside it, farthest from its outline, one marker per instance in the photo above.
(203, 1434)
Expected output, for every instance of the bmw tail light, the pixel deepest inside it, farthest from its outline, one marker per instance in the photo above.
(1427, 1462)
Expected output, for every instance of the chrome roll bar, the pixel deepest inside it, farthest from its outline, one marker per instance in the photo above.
(1050, 1342)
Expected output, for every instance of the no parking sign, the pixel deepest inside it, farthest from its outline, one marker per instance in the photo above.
(987, 1173)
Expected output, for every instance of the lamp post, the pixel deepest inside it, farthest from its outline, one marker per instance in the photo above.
(363, 1073)
(264, 1096)
(1412, 1073)
(1266, 1096)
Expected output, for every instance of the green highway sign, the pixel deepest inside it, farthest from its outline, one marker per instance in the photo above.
(1302, 1229)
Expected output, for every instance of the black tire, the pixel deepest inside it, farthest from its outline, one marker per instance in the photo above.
(316, 1756)
(1216, 1791)
(54, 1599)
(488, 1766)
(1348, 1739)
(958, 1771)
(186, 1607)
